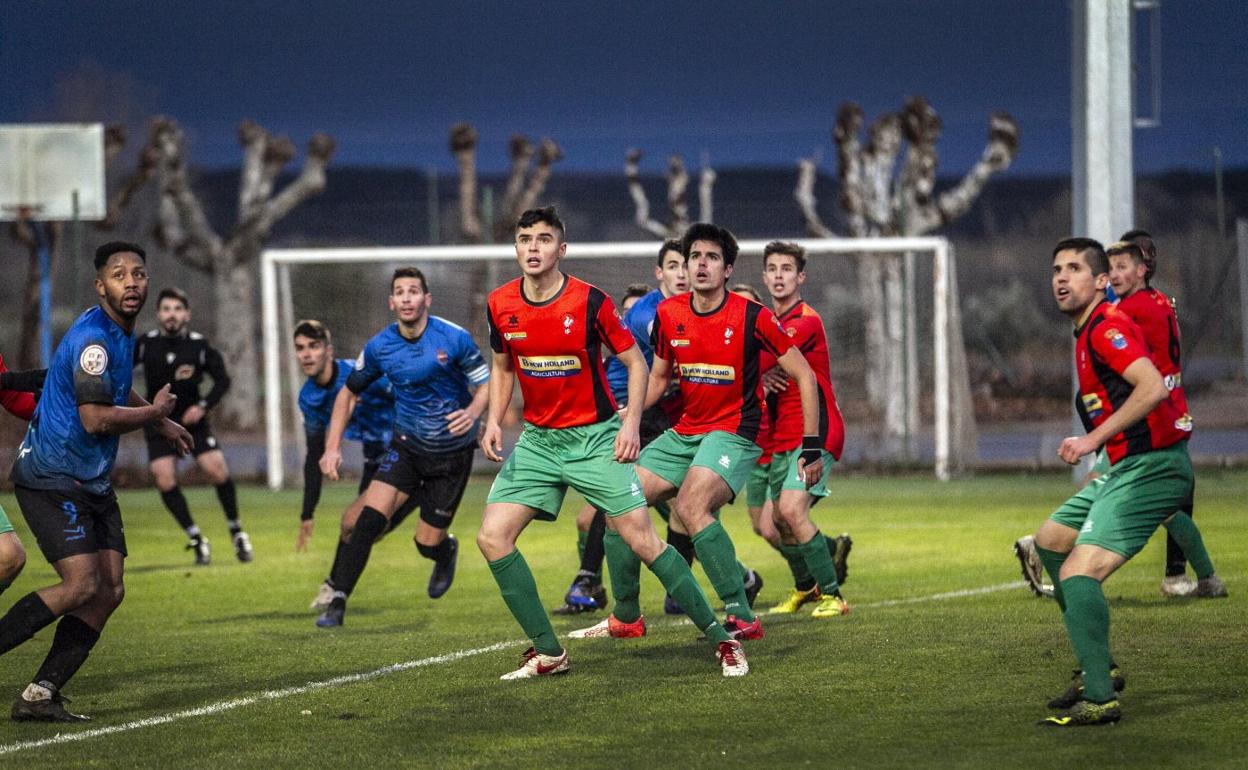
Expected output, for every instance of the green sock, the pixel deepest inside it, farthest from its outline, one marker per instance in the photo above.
(802, 579)
(624, 567)
(1185, 532)
(819, 562)
(581, 538)
(1053, 561)
(1087, 624)
(515, 581)
(719, 559)
(677, 578)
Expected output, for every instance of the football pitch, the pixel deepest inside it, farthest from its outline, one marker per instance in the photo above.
(944, 660)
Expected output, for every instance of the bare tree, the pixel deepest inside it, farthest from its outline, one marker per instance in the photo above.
(878, 200)
(231, 261)
(677, 185)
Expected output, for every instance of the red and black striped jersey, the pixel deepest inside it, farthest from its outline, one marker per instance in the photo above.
(1153, 312)
(556, 350)
(805, 327)
(1107, 343)
(717, 357)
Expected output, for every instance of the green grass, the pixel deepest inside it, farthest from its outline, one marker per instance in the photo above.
(947, 682)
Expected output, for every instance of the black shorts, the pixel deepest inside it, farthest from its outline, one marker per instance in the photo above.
(436, 479)
(158, 446)
(70, 523)
(653, 422)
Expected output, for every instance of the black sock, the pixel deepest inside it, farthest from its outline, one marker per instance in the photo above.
(591, 560)
(175, 501)
(683, 545)
(438, 553)
(368, 528)
(229, 502)
(339, 560)
(23, 620)
(1176, 562)
(70, 648)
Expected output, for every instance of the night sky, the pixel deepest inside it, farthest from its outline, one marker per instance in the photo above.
(750, 84)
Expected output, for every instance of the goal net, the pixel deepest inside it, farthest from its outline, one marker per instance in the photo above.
(909, 416)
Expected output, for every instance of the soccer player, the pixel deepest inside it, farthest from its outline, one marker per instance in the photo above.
(16, 396)
(176, 356)
(370, 424)
(547, 330)
(713, 338)
(438, 376)
(587, 592)
(804, 547)
(1126, 407)
(1133, 261)
(62, 479)
(634, 292)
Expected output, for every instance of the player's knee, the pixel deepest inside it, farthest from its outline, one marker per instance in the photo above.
(82, 588)
(110, 594)
(436, 518)
(11, 565)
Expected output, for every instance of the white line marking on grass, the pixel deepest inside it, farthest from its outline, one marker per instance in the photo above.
(230, 705)
(338, 681)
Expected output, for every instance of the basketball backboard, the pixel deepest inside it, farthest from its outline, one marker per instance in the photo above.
(41, 165)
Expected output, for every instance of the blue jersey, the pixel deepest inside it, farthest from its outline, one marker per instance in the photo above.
(431, 376)
(93, 364)
(373, 417)
(640, 320)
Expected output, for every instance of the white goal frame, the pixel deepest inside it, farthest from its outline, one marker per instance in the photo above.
(278, 314)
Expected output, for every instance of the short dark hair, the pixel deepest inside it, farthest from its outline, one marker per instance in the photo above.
(671, 244)
(748, 289)
(409, 272)
(1092, 250)
(786, 247)
(705, 231)
(1129, 248)
(635, 290)
(313, 330)
(545, 214)
(1144, 240)
(173, 292)
(106, 251)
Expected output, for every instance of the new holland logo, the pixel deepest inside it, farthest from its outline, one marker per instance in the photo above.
(1092, 405)
(550, 366)
(708, 374)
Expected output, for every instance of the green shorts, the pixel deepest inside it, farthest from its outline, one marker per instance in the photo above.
(1120, 510)
(1101, 466)
(671, 455)
(756, 486)
(784, 474)
(5, 524)
(546, 461)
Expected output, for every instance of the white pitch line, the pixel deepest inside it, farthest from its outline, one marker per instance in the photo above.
(450, 657)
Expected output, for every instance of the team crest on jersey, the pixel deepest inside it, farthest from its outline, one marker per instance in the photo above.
(1116, 339)
(184, 372)
(568, 320)
(94, 360)
(443, 357)
(791, 332)
(727, 335)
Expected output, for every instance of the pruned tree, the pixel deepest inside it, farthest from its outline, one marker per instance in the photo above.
(677, 186)
(22, 230)
(230, 261)
(524, 186)
(879, 200)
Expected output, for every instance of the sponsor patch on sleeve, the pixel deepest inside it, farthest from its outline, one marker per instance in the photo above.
(94, 360)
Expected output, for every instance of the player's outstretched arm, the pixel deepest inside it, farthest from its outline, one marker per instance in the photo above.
(344, 407)
(1147, 391)
(28, 381)
(628, 440)
(811, 463)
(502, 381)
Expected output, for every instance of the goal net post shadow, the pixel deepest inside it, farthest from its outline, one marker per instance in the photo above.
(351, 299)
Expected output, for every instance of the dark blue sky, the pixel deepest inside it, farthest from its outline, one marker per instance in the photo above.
(749, 83)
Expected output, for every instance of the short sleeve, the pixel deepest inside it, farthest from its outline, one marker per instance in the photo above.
(658, 336)
(367, 369)
(1119, 343)
(771, 334)
(470, 361)
(496, 339)
(92, 385)
(612, 327)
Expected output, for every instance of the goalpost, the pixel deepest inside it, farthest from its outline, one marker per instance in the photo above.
(452, 264)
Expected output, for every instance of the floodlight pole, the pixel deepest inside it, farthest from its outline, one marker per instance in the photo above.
(45, 292)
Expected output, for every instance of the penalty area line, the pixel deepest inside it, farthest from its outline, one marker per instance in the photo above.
(234, 703)
(338, 681)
